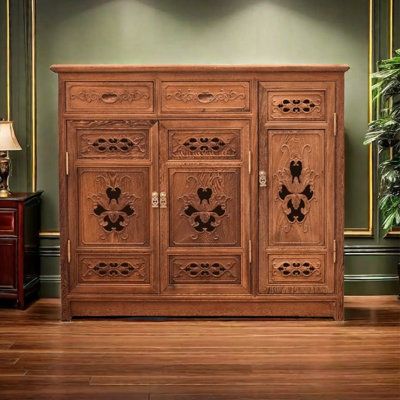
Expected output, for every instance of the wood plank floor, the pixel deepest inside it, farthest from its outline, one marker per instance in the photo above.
(43, 358)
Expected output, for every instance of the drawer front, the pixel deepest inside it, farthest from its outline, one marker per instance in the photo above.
(112, 140)
(205, 274)
(193, 97)
(8, 222)
(110, 97)
(119, 273)
(295, 101)
(296, 274)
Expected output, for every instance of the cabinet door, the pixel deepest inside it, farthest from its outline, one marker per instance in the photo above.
(113, 226)
(204, 204)
(8, 264)
(296, 200)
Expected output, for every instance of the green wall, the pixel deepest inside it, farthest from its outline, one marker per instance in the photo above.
(204, 32)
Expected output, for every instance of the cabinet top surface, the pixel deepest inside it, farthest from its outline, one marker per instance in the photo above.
(21, 196)
(59, 68)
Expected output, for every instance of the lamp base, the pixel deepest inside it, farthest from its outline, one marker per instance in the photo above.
(4, 193)
(4, 172)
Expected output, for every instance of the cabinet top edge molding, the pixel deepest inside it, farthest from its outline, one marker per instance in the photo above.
(60, 68)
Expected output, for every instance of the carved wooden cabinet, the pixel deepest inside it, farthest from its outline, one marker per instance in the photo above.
(201, 190)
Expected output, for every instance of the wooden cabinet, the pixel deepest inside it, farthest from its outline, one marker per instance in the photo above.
(200, 190)
(19, 247)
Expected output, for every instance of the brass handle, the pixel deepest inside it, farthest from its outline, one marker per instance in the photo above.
(154, 200)
(163, 200)
(262, 178)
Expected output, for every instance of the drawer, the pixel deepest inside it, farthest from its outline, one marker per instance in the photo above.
(127, 139)
(295, 101)
(205, 274)
(296, 274)
(120, 273)
(194, 97)
(8, 222)
(205, 139)
(110, 97)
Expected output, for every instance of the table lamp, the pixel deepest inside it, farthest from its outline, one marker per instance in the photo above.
(8, 141)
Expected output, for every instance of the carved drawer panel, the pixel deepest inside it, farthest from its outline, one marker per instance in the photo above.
(296, 101)
(205, 97)
(114, 270)
(296, 105)
(8, 219)
(110, 97)
(127, 139)
(114, 206)
(204, 269)
(296, 274)
(205, 274)
(205, 207)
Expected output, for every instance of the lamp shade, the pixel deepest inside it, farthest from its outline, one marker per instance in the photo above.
(8, 140)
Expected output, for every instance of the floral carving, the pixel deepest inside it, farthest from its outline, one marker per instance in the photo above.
(205, 206)
(115, 269)
(114, 144)
(205, 97)
(204, 146)
(295, 184)
(296, 105)
(89, 96)
(295, 269)
(113, 207)
(205, 271)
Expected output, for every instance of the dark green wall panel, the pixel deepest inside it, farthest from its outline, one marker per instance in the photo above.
(207, 32)
(198, 32)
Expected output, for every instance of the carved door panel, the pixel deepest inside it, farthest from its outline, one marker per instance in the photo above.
(205, 212)
(296, 198)
(112, 174)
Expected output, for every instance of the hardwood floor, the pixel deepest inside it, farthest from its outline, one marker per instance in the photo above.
(43, 358)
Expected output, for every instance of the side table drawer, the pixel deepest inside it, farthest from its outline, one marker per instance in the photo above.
(8, 222)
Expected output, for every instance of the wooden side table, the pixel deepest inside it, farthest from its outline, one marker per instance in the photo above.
(19, 246)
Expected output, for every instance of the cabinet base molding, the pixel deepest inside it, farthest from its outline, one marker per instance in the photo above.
(194, 308)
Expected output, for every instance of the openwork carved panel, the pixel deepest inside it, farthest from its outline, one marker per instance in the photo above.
(119, 269)
(297, 194)
(295, 274)
(296, 105)
(113, 206)
(204, 144)
(295, 269)
(205, 208)
(202, 96)
(113, 144)
(205, 270)
(121, 96)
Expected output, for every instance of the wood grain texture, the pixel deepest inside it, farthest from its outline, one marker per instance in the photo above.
(159, 166)
(217, 359)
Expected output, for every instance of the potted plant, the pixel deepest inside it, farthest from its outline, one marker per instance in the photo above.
(385, 132)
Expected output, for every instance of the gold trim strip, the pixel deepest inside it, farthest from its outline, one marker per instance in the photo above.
(49, 234)
(368, 232)
(8, 61)
(33, 99)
